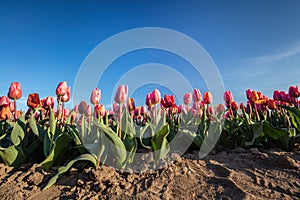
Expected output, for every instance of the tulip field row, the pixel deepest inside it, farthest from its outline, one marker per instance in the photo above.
(51, 134)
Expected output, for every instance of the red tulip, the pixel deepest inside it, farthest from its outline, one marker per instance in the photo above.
(131, 104)
(276, 95)
(220, 108)
(242, 106)
(33, 100)
(121, 94)
(155, 97)
(249, 94)
(95, 96)
(271, 104)
(228, 97)
(149, 100)
(15, 91)
(82, 107)
(197, 95)
(4, 101)
(294, 92)
(234, 106)
(187, 98)
(66, 97)
(210, 110)
(207, 99)
(5, 113)
(143, 110)
(62, 88)
(168, 101)
(99, 110)
(47, 102)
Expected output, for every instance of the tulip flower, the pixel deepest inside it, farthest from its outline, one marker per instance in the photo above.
(66, 97)
(228, 97)
(271, 104)
(12, 107)
(95, 96)
(234, 106)
(207, 98)
(294, 92)
(88, 111)
(276, 95)
(197, 95)
(249, 94)
(254, 96)
(33, 100)
(121, 94)
(82, 107)
(5, 113)
(149, 100)
(62, 88)
(168, 101)
(4, 101)
(99, 110)
(155, 97)
(187, 98)
(116, 108)
(48, 102)
(131, 104)
(220, 108)
(143, 110)
(15, 91)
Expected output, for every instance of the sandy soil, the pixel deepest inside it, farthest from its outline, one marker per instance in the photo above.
(235, 174)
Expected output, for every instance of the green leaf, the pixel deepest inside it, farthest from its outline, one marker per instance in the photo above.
(160, 143)
(272, 132)
(32, 125)
(295, 116)
(257, 131)
(61, 145)
(52, 122)
(13, 156)
(131, 147)
(17, 134)
(117, 146)
(64, 169)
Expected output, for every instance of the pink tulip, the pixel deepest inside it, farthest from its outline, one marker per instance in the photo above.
(197, 95)
(66, 97)
(75, 109)
(95, 96)
(121, 94)
(149, 100)
(276, 95)
(4, 101)
(228, 97)
(82, 107)
(294, 92)
(88, 110)
(116, 108)
(207, 99)
(15, 91)
(155, 97)
(48, 102)
(187, 98)
(220, 108)
(62, 88)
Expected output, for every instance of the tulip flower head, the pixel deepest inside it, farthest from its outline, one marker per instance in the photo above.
(121, 94)
(131, 104)
(4, 101)
(95, 96)
(294, 92)
(66, 97)
(155, 97)
(187, 98)
(197, 95)
(33, 100)
(15, 91)
(207, 98)
(62, 88)
(228, 97)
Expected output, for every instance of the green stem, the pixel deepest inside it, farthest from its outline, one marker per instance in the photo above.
(15, 111)
(120, 121)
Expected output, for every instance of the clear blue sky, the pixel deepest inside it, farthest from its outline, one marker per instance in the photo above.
(255, 44)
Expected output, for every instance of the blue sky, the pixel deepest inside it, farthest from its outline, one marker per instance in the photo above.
(255, 44)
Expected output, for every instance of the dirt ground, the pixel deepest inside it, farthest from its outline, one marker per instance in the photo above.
(232, 174)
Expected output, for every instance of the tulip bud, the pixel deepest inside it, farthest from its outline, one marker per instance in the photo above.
(5, 113)
(136, 111)
(155, 97)
(99, 110)
(95, 96)
(62, 88)
(149, 100)
(48, 102)
(242, 106)
(33, 100)
(116, 108)
(66, 97)
(131, 104)
(234, 106)
(294, 92)
(187, 98)
(276, 95)
(249, 94)
(197, 95)
(271, 104)
(220, 108)
(143, 110)
(121, 94)
(4, 101)
(82, 107)
(228, 97)
(15, 91)
(207, 99)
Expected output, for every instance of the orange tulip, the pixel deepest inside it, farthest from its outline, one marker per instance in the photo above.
(5, 113)
(207, 99)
